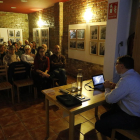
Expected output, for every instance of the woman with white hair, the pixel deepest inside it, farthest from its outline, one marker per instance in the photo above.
(28, 56)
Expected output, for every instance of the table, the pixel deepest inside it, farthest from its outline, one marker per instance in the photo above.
(96, 98)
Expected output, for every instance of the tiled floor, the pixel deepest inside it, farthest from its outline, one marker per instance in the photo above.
(26, 120)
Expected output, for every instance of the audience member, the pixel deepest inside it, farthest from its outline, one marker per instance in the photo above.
(26, 42)
(2, 53)
(11, 56)
(41, 69)
(126, 98)
(20, 46)
(28, 56)
(33, 51)
(58, 63)
(17, 51)
(9, 43)
(47, 52)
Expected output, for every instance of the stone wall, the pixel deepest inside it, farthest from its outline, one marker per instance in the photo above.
(15, 20)
(73, 14)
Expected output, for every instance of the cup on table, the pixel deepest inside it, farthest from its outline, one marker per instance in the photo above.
(73, 87)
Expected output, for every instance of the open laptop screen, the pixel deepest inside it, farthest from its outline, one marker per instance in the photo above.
(98, 79)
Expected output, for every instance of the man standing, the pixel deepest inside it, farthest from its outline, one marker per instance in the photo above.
(126, 94)
(58, 63)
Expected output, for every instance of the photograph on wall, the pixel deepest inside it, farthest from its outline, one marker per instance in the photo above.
(80, 33)
(46, 41)
(80, 45)
(72, 44)
(42, 32)
(102, 32)
(17, 33)
(94, 32)
(37, 33)
(72, 34)
(12, 40)
(46, 33)
(101, 48)
(37, 41)
(1, 40)
(43, 40)
(93, 47)
(17, 39)
(10, 33)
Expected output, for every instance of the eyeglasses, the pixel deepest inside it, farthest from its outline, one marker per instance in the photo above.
(118, 63)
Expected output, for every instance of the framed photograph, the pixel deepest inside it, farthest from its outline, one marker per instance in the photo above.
(101, 48)
(72, 34)
(37, 33)
(72, 44)
(45, 41)
(93, 47)
(12, 40)
(94, 32)
(46, 32)
(102, 32)
(1, 40)
(17, 33)
(80, 45)
(17, 39)
(80, 33)
(10, 33)
(42, 32)
(37, 40)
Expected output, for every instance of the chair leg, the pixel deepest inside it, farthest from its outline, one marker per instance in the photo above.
(18, 94)
(113, 134)
(12, 95)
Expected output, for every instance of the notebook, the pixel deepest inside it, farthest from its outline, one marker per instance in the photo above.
(98, 81)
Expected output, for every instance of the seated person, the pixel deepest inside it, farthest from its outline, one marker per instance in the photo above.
(20, 46)
(11, 56)
(41, 69)
(58, 63)
(47, 52)
(2, 53)
(33, 51)
(28, 56)
(9, 43)
(17, 51)
(126, 99)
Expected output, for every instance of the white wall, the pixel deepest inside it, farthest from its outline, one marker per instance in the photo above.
(117, 31)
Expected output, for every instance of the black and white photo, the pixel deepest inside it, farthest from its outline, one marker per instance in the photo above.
(80, 45)
(17, 33)
(80, 33)
(1, 40)
(73, 44)
(102, 32)
(94, 32)
(42, 32)
(12, 40)
(101, 48)
(72, 34)
(11, 33)
(93, 47)
(46, 33)
(37, 33)
(17, 39)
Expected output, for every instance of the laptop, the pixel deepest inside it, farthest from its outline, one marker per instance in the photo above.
(98, 81)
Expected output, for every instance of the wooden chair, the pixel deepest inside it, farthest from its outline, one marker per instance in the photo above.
(6, 85)
(132, 134)
(20, 69)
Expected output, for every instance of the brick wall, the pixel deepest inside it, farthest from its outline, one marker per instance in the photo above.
(15, 20)
(73, 14)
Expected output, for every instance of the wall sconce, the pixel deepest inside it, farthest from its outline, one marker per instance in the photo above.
(88, 15)
(42, 23)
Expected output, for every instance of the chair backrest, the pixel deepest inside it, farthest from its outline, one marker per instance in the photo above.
(3, 71)
(18, 71)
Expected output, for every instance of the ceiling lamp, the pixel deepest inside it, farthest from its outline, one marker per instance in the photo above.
(1, 1)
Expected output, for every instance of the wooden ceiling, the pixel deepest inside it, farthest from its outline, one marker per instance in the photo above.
(27, 6)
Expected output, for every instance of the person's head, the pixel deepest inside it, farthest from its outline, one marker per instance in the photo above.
(9, 43)
(26, 42)
(27, 49)
(31, 45)
(20, 43)
(34, 44)
(56, 49)
(15, 44)
(12, 49)
(45, 47)
(124, 63)
(40, 51)
(2, 48)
